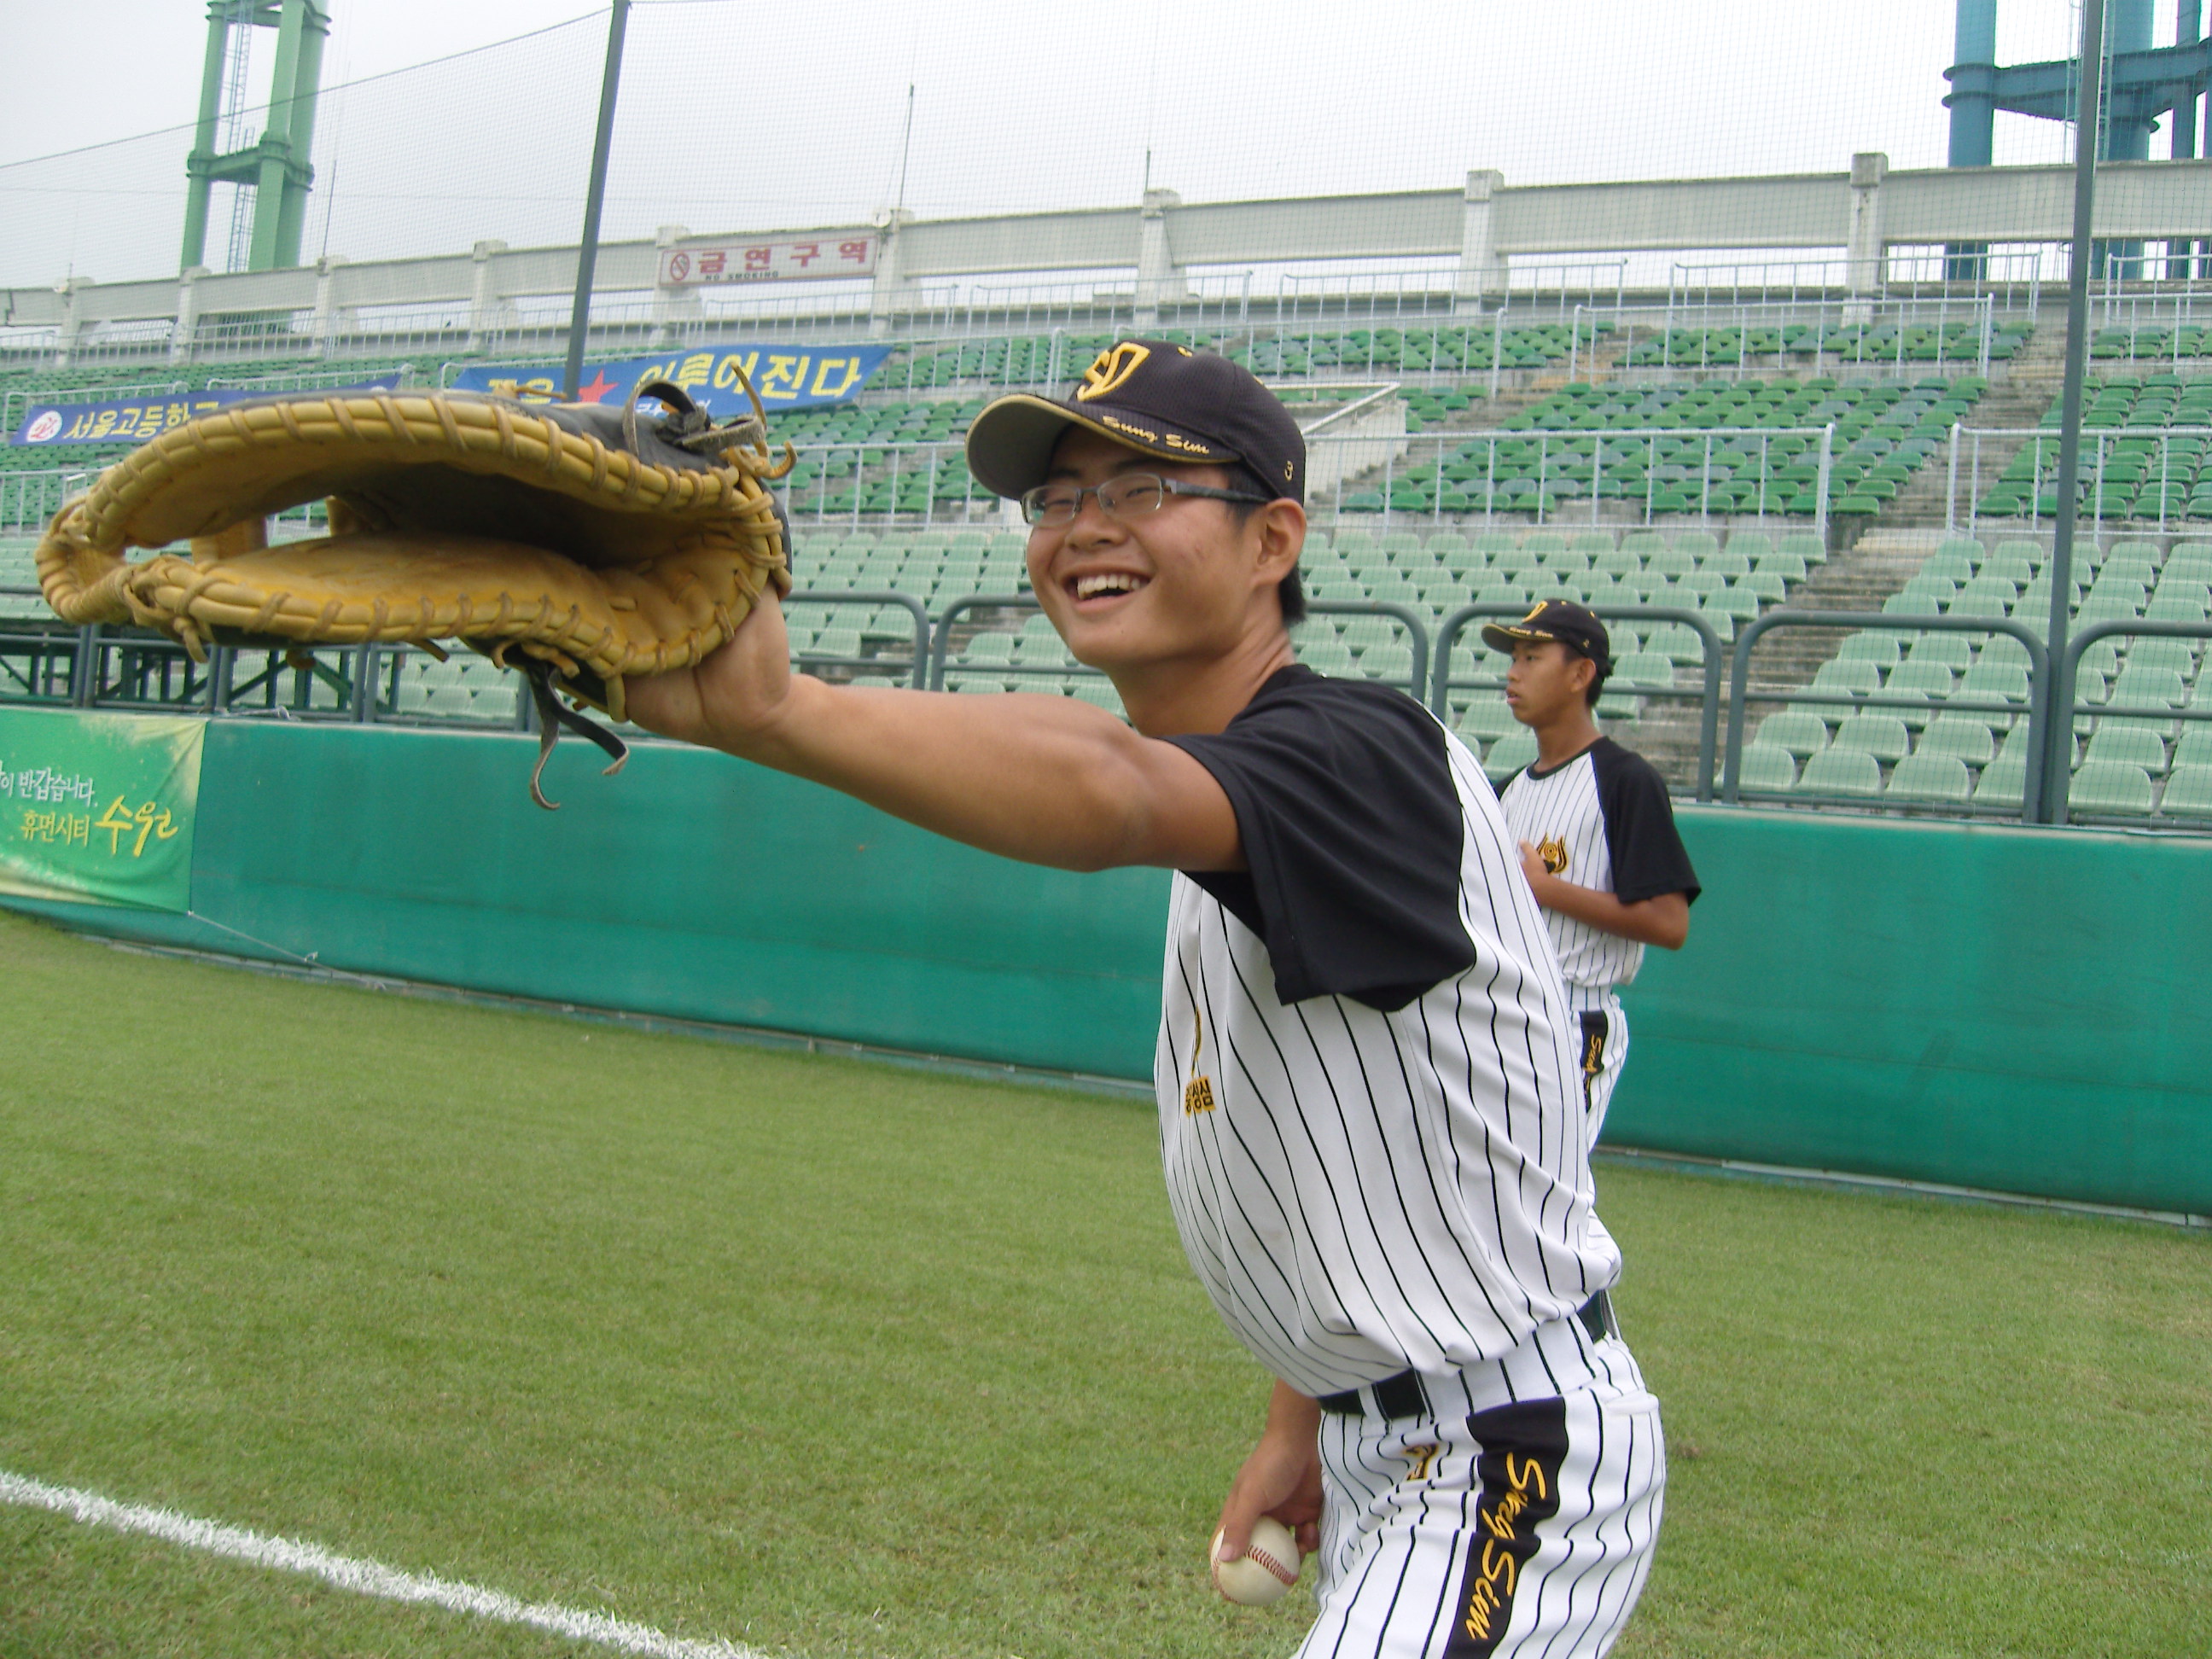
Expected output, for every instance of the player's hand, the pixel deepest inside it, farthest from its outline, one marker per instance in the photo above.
(1281, 1478)
(731, 696)
(1534, 868)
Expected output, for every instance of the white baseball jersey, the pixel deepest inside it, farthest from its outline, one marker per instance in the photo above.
(1371, 1121)
(1601, 820)
(1369, 1078)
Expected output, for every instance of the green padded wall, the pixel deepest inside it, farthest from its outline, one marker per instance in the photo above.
(1989, 1007)
(691, 886)
(1995, 1007)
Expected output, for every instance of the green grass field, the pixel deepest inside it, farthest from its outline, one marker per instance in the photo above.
(837, 1359)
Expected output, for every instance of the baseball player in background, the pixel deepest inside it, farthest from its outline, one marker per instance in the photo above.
(1368, 1071)
(1596, 831)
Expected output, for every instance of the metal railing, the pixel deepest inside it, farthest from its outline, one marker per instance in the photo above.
(1708, 695)
(885, 485)
(1739, 692)
(28, 500)
(1559, 462)
(2063, 693)
(2013, 277)
(1840, 329)
(1343, 298)
(2101, 450)
(98, 667)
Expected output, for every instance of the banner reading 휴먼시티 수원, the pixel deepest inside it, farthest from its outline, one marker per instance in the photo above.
(99, 808)
(785, 376)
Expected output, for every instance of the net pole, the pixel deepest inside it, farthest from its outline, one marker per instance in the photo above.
(588, 248)
(2058, 687)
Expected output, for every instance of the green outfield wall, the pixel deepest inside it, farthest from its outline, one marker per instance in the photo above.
(1999, 1008)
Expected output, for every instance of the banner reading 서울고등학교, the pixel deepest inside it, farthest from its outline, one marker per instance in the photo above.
(98, 809)
(786, 377)
(134, 420)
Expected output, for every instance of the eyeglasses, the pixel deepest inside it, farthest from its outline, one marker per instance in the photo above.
(1130, 495)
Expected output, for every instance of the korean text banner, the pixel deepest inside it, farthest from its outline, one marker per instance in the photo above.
(99, 808)
(134, 420)
(786, 377)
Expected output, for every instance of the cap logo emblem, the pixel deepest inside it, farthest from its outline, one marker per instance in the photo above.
(1110, 370)
(1537, 612)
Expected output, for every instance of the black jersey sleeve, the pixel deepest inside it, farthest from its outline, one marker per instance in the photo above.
(1648, 855)
(1353, 833)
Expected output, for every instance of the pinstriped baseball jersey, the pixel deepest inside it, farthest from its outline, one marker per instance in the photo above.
(1369, 1082)
(1601, 820)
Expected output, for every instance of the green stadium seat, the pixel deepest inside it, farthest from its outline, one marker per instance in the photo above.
(1873, 731)
(2188, 793)
(1875, 646)
(1849, 772)
(2109, 788)
(1938, 779)
(1955, 651)
(2195, 748)
(1966, 736)
(1643, 670)
(1802, 731)
(1933, 681)
(1766, 767)
(1392, 660)
(1507, 756)
(2000, 783)
(2128, 745)
(1486, 719)
(1847, 675)
(1328, 654)
(1995, 680)
(1097, 690)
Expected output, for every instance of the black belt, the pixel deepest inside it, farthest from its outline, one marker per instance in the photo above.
(1402, 1396)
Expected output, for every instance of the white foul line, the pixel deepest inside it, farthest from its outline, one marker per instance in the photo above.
(361, 1578)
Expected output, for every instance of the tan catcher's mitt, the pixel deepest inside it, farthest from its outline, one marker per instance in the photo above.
(580, 543)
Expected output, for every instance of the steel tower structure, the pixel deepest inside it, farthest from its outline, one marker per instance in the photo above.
(274, 167)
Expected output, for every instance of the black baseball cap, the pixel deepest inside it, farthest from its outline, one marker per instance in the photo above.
(1556, 619)
(1154, 396)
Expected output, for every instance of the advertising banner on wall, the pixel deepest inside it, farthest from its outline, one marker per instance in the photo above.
(134, 420)
(785, 376)
(98, 809)
(845, 254)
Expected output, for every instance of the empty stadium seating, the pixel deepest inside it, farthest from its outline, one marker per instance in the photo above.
(2142, 473)
(1958, 743)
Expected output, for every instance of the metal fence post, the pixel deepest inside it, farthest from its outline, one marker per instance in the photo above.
(1828, 472)
(1951, 487)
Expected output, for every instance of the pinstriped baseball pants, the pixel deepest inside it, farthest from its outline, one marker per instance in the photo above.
(1515, 1519)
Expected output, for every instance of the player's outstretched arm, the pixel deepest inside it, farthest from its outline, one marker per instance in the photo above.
(1663, 921)
(1046, 780)
(1281, 1478)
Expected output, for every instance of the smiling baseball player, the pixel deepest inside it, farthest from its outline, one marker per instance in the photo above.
(1367, 1069)
(1596, 831)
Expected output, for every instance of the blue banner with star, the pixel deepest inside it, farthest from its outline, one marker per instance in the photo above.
(784, 376)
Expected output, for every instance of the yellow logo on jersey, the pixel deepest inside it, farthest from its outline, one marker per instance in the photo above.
(1422, 1459)
(1553, 852)
(1198, 1093)
(1110, 370)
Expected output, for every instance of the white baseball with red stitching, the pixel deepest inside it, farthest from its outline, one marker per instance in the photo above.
(1268, 1566)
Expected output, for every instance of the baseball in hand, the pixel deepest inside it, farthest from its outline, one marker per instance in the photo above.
(1264, 1571)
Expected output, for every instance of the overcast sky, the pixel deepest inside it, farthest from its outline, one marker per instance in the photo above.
(737, 115)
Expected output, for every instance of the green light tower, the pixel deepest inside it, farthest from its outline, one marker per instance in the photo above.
(276, 167)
